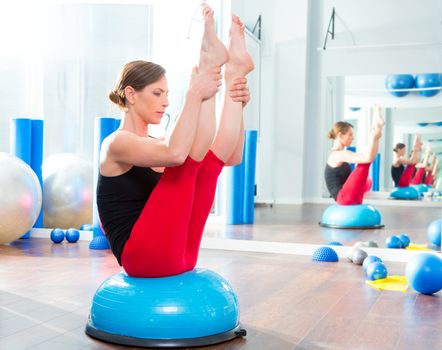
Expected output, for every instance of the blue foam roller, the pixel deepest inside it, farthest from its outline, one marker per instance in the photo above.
(37, 131)
(326, 254)
(103, 127)
(410, 193)
(251, 139)
(351, 216)
(235, 193)
(195, 308)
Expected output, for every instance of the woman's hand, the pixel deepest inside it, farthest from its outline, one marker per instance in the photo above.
(239, 91)
(205, 84)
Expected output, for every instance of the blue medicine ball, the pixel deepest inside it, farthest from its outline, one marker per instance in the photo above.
(376, 271)
(430, 80)
(72, 235)
(57, 235)
(434, 232)
(397, 82)
(424, 273)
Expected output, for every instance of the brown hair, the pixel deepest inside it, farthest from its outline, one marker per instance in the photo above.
(137, 74)
(399, 146)
(339, 127)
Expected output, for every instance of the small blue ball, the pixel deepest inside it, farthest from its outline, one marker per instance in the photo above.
(368, 260)
(72, 235)
(405, 239)
(393, 242)
(57, 235)
(376, 271)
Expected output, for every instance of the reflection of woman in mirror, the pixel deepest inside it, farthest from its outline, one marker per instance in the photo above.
(345, 186)
(421, 167)
(430, 175)
(402, 169)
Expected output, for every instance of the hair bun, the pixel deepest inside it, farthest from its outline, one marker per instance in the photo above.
(116, 98)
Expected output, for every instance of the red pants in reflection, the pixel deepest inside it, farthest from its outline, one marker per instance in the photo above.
(166, 238)
(406, 176)
(352, 193)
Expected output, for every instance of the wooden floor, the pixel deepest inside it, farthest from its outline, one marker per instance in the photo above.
(299, 224)
(287, 301)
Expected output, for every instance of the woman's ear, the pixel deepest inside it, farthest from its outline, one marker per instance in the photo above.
(129, 93)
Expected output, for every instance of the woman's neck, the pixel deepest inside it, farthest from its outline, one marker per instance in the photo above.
(133, 123)
(337, 146)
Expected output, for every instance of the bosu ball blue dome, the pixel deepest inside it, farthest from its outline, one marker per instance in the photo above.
(410, 193)
(196, 308)
(361, 216)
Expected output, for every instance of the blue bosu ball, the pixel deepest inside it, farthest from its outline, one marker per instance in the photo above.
(421, 188)
(326, 254)
(351, 216)
(410, 193)
(196, 308)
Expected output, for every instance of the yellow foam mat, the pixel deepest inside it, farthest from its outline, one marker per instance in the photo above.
(414, 246)
(394, 283)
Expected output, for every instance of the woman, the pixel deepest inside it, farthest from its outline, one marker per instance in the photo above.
(154, 220)
(345, 186)
(402, 169)
(421, 168)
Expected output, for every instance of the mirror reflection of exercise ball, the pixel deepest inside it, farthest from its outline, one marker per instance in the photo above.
(67, 191)
(20, 198)
(396, 82)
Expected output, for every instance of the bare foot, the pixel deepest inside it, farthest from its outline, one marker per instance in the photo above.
(378, 121)
(240, 62)
(417, 143)
(213, 52)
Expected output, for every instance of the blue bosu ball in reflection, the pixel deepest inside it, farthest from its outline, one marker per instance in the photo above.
(351, 216)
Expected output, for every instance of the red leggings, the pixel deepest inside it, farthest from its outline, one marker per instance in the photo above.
(352, 193)
(418, 177)
(429, 179)
(166, 238)
(406, 176)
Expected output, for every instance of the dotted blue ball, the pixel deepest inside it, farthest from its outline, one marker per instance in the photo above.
(72, 235)
(393, 242)
(325, 254)
(57, 235)
(404, 239)
(376, 271)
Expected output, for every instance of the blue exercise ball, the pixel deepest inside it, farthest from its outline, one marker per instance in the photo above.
(72, 235)
(398, 82)
(351, 216)
(196, 308)
(405, 239)
(368, 260)
(434, 232)
(424, 273)
(376, 271)
(57, 235)
(429, 80)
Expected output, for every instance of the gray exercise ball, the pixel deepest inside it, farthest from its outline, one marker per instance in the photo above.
(20, 198)
(67, 191)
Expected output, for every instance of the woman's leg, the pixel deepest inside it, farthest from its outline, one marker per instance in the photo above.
(156, 246)
(352, 192)
(406, 176)
(226, 141)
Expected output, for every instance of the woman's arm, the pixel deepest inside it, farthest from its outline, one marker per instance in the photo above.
(129, 148)
(336, 158)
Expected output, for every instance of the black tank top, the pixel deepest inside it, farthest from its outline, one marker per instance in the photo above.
(396, 173)
(120, 200)
(335, 178)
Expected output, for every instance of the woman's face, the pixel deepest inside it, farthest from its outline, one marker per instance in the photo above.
(401, 151)
(152, 101)
(346, 138)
